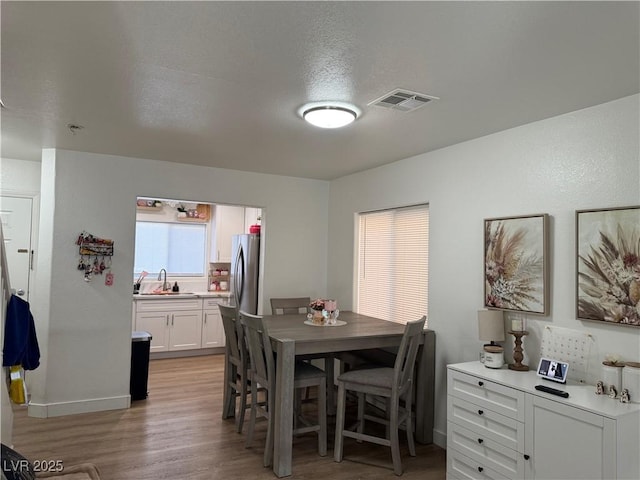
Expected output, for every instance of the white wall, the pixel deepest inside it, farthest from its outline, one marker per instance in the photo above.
(586, 159)
(19, 176)
(87, 326)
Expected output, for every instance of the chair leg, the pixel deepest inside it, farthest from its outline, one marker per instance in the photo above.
(361, 404)
(387, 406)
(252, 416)
(337, 446)
(268, 447)
(409, 422)
(393, 438)
(409, 427)
(322, 418)
(329, 366)
(297, 406)
(244, 387)
(229, 401)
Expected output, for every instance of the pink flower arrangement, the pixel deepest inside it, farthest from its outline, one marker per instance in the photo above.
(317, 304)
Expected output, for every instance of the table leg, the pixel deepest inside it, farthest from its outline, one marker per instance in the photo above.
(283, 420)
(329, 366)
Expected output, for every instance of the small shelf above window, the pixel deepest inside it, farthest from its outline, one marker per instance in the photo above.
(150, 209)
(192, 220)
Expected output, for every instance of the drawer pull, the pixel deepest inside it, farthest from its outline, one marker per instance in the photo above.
(480, 440)
(480, 469)
(480, 412)
(526, 457)
(481, 384)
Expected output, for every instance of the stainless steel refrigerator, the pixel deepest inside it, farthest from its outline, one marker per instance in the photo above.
(245, 269)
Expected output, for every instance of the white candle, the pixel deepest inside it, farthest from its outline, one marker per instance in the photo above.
(517, 324)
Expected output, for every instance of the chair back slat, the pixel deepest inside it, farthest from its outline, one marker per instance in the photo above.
(233, 332)
(260, 352)
(406, 358)
(287, 306)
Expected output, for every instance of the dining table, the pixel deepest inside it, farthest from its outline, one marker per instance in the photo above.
(294, 335)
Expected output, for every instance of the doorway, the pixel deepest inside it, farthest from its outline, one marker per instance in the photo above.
(16, 214)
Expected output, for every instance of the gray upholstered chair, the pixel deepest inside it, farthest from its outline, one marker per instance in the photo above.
(395, 385)
(262, 371)
(236, 369)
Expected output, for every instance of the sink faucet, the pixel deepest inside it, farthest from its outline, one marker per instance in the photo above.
(164, 283)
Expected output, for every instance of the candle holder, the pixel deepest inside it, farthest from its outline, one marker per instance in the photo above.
(517, 352)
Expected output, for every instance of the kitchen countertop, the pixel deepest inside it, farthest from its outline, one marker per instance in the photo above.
(169, 296)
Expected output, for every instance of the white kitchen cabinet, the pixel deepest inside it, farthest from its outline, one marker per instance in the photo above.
(186, 330)
(227, 221)
(157, 324)
(174, 324)
(499, 426)
(212, 330)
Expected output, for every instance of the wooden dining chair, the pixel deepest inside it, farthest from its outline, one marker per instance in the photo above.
(297, 305)
(395, 386)
(236, 368)
(262, 371)
(286, 306)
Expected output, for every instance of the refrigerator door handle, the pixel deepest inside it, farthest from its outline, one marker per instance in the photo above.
(239, 280)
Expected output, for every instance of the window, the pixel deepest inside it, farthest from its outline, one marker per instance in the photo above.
(178, 248)
(393, 264)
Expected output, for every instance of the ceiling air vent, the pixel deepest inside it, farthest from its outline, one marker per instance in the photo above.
(402, 100)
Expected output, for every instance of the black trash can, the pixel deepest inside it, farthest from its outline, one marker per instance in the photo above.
(140, 345)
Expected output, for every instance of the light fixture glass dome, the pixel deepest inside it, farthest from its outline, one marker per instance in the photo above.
(329, 116)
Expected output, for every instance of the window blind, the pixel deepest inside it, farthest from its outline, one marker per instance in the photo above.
(178, 248)
(393, 266)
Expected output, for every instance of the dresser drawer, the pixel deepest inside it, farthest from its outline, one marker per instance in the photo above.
(461, 467)
(486, 394)
(488, 453)
(486, 423)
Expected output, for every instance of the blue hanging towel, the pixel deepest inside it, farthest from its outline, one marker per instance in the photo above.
(20, 340)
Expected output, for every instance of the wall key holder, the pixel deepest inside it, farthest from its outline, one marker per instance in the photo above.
(95, 249)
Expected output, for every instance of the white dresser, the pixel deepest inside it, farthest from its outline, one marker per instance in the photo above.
(500, 426)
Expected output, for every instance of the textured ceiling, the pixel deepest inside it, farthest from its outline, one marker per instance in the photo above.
(221, 83)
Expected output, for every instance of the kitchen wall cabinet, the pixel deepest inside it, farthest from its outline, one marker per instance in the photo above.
(227, 221)
(212, 330)
(499, 426)
(174, 324)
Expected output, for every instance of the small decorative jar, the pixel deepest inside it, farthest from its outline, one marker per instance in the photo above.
(631, 380)
(612, 375)
(317, 317)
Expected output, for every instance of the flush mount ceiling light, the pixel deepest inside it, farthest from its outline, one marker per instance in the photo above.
(329, 115)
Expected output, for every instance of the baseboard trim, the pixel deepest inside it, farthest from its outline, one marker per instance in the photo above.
(46, 410)
(186, 353)
(440, 438)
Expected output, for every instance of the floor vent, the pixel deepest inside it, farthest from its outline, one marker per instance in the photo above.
(402, 100)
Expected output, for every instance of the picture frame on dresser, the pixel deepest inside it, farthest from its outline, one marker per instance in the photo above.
(608, 264)
(516, 263)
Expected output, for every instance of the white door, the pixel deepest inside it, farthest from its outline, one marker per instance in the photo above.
(15, 213)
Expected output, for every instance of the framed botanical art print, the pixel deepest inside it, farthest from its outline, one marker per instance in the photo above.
(608, 265)
(516, 264)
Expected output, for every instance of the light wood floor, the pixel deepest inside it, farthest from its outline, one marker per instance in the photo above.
(178, 433)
